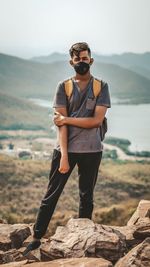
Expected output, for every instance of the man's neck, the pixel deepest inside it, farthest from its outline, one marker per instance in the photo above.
(83, 78)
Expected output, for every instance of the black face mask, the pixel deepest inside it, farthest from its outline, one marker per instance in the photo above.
(81, 68)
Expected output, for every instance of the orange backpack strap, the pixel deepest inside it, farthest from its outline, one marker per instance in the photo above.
(97, 86)
(68, 87)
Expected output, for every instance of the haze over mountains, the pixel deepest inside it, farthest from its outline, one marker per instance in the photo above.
(20, 79)
(38, 77)
(139, 63)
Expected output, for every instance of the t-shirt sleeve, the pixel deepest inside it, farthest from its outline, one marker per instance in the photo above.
(103, 98)
(60, 99)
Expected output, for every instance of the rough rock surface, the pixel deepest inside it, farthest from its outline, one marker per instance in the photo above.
(137, 257)
(82, 243)
(135, 234)
(75, 262)
(142, 211)
(83, 238)
(13, 235)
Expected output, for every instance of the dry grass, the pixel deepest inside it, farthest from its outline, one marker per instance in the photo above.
(119, 188)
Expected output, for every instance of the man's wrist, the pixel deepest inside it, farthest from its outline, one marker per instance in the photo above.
(65, 120)
(64, 154)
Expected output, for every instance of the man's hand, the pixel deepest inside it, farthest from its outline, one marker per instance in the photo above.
(64, 164)
(87, 123)
(59, 119)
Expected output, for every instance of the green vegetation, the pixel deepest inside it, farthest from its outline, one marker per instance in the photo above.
(25, 137)
(11, 146)
(17, 113)
(22, 126)
(1, 146)
(112, 154)
(124, 144)
(120, 186)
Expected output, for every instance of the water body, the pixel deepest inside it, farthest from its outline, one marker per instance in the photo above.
(131, 122)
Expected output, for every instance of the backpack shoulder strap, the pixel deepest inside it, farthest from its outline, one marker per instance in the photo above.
(68, 87)
(97, 86)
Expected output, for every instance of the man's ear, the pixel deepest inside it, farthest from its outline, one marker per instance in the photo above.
(71, 62)
(91, 61)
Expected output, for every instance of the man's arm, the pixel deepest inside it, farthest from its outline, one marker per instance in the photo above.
(90, 122)
(63, 141)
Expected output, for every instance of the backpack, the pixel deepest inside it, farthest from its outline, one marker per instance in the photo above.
(97, 86)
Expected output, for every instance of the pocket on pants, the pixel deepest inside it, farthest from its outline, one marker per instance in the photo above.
(56, 154)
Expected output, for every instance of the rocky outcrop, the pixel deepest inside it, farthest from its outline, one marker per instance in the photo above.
(82, 243)
(142, 211)
(139, 256)
(12, 236)
(135, 234)
(74, 262)
(83, 238)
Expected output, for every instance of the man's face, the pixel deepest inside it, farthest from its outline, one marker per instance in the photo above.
(83, 57)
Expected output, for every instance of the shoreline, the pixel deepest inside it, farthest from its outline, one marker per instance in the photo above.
(39, 141)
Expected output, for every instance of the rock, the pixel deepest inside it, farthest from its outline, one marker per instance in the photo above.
(135, 234)
(139, 256)
(82, 238)
(75, 262)
(81, 243)
(14, 255)
(142, 229)
(15, 264)
(11, 256)
(2, 221)
(128, 233)
(13, 235)
(142, 211)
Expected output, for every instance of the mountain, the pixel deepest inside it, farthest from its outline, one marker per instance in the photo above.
(51, 58)
(17, 113)
(124, 84)
(24, 78)
(127, 59)
(141, 70)
(139, 63)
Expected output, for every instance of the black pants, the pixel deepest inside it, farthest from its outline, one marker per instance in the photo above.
(88, 165)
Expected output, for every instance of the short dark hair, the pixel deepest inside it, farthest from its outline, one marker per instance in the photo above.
(78, 47)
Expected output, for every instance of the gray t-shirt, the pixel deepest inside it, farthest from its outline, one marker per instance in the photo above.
(82, 103)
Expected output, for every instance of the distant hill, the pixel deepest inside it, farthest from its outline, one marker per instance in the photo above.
(139, 63)
(16, 113)
(124, 84)
(24, 78)
(54, 57)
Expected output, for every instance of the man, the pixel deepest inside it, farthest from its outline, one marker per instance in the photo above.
(77, 118)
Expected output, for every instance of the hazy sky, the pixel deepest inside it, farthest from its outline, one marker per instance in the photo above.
(39, 27)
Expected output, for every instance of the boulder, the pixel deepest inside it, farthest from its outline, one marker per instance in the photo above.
(13, 235)
(82, 238)
(136, 233)
(142, 211)
(12, 255)
(81, 243)
(75, 262)
(15, 264)
(139, 256)
(142, 229)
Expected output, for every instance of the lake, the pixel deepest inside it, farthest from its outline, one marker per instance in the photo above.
(131, 122)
